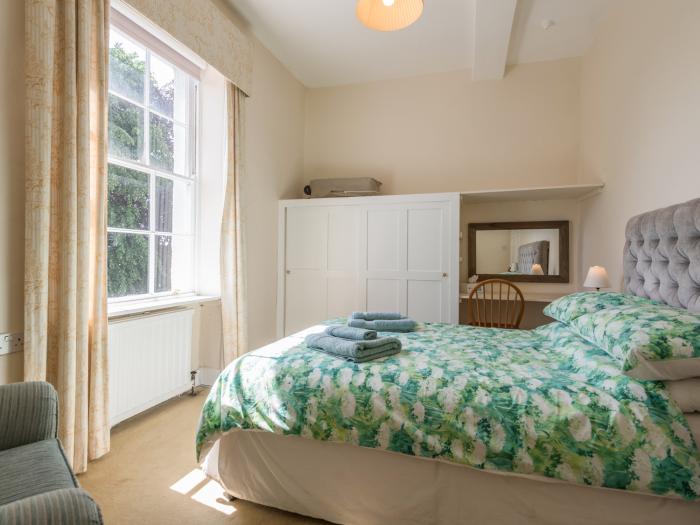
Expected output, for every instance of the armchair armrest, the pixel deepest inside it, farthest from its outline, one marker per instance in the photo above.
(28, 413)
(57, 507)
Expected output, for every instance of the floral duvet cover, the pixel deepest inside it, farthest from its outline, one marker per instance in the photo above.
(541, 402)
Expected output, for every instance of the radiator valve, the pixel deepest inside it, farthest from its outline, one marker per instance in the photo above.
(193, 378)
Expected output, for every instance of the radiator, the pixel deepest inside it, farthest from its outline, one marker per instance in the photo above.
(150, 358)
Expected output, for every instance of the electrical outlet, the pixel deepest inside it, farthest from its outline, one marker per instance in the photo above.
(10, 343)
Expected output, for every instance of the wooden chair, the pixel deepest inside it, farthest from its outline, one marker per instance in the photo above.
(495, 303)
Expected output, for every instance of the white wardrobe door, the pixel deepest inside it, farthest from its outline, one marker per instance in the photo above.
(342, 295)
(384, 258)
(321, 262)
(405, 260)
(306, 238)
(385, 232)
(427, 235)
(305, 303)
(305, 257)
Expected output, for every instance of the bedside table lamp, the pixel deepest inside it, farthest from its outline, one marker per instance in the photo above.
(597, 278)
(536, 269)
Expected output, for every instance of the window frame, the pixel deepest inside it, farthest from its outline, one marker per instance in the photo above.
(131, 31)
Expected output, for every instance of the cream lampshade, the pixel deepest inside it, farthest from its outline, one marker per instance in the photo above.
(597, 278)
(388, 15)
(536, 269)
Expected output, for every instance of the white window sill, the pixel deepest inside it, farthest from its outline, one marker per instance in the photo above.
(151, 305)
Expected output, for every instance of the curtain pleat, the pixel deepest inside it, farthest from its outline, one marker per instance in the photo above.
(233, 282)
(65, 224)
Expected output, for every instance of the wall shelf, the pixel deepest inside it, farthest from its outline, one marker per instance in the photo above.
(572, 191)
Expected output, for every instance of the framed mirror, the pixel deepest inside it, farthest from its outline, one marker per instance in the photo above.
(533, 252)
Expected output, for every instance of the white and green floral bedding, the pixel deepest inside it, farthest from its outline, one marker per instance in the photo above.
(635, 331)
(543, 403)
(572, 306)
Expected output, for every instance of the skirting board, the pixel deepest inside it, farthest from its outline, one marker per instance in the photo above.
(207, 376)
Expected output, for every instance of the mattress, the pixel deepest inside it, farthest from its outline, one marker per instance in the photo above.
(542, 403)
(343, 483)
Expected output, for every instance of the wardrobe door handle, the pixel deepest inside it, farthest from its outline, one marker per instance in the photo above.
(289, 271)
(444, 274)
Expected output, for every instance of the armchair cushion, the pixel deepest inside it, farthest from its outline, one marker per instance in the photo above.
(28, 413)
(58, 507)
(33, 469)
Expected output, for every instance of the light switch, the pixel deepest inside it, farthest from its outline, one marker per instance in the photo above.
(10, 343)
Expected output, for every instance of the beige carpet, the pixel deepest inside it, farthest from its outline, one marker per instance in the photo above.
(150, 475)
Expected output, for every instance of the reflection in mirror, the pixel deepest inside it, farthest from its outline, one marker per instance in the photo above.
(517, 252)
(527, 251)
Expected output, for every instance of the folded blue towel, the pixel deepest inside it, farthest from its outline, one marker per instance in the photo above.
(348, 332)
(357, 351)
(381, 325)
(376, 354)
(375, 316)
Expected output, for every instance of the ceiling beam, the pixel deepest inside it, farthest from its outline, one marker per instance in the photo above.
(493, 23)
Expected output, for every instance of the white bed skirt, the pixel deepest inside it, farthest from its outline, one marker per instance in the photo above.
(348, 484)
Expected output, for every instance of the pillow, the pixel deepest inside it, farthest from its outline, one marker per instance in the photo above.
(572, 306)
(650, 341)
(686, 394)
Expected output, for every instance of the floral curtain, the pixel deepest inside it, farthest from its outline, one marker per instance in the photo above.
(65, 226)
(233, 292)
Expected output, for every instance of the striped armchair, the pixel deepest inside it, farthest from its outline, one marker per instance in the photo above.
(37, 485)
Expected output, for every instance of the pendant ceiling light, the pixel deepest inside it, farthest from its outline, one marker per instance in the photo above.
(389, 15)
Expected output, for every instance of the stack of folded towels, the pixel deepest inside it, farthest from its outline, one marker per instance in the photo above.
(358, 340)
(353, 344)
(382, 321)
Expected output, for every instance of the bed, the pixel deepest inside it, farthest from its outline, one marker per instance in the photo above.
(466, 424)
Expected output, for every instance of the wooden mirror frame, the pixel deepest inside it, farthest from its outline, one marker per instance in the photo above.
(562, 226)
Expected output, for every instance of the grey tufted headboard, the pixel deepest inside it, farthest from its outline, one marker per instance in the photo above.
(531, 253)
(662, 255)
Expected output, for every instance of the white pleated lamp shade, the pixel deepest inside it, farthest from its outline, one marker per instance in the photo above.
(388, 15)
(536, 269)
(597, 278)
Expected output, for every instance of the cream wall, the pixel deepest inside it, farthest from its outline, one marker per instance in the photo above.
(640, 125)
(11, 180)
(445, 132)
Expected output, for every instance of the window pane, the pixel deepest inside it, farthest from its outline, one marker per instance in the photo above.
(125, 129)
(127, 66)
(174, 206)
(174, 263)
(162, 143)
(128, 194)
(164, 205)
(164, 261)
(162, 86)
(127, 264)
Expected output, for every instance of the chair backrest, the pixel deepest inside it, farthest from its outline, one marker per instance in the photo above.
(495, 303)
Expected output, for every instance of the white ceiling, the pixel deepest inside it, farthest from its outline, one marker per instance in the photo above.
(323, 44)
(574, 24)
